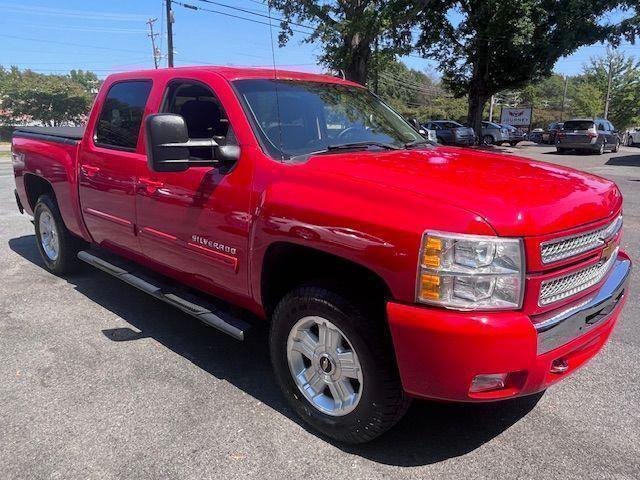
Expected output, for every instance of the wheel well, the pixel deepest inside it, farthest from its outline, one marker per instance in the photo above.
(287, 266)
(36, 186)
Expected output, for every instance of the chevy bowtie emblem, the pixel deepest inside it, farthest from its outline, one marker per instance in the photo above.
(607, 251)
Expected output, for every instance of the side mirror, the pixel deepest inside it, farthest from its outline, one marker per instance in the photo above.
(168, 144)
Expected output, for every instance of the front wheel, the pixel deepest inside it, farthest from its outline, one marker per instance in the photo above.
(335, 367)
(58, 248)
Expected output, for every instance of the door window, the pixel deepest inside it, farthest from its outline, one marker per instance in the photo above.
(121, 116)
(203, 113)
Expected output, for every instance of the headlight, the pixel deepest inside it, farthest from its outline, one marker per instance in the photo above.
(470, 272)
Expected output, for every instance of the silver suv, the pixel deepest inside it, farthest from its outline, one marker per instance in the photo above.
(494, 134)
(586, 135)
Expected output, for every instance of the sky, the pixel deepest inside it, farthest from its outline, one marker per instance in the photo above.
(53, 37)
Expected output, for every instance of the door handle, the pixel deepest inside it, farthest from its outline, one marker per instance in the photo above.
(90, 170)
(151, 186)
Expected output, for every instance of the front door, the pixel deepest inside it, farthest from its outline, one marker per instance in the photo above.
(196, 223)
(109, 165)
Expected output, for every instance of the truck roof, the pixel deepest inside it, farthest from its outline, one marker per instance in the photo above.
(236, 73)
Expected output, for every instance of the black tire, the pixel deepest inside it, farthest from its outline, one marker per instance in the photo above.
(488, 140)
(68, 245)
(513, 144)
(616, 148)
(600, 150)
(383, 401)
(561, 150)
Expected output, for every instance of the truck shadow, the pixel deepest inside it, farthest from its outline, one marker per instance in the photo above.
(624, 161)
(430, 432)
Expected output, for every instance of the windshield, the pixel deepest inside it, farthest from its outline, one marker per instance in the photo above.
(296, 118)
(449, 125)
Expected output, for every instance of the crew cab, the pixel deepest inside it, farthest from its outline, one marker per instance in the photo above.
(388, 268)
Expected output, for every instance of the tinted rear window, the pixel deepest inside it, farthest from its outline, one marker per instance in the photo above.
(121, 115)
(578, 125)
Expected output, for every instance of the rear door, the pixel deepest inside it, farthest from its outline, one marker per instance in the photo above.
(109, 161)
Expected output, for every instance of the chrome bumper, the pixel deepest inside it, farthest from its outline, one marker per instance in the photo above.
(559, 328)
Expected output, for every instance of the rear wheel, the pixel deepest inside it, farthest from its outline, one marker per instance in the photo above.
(487, 140)
(616, 147)
(335, 367)
(601, 149)
(57, 246)
(561, 150)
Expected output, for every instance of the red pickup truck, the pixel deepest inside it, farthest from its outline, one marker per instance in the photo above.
(388, 267)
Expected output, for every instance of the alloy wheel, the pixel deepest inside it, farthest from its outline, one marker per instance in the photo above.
(324, 365)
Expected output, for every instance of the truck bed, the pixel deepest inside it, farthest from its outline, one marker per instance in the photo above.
(53, 134)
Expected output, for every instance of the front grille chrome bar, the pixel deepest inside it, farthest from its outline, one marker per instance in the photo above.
(573, 245)
(559, 288)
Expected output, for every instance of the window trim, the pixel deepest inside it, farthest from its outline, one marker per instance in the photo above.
(94, 136)
(165, 96)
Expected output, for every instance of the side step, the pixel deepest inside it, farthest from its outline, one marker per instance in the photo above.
(207, 311)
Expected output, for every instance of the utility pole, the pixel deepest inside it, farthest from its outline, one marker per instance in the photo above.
(608, 99)
(169, 33)
(377, 70)
(153, 36)
(491, 102)
(564, 97)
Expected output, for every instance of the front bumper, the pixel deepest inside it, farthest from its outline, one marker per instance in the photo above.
(439, 352)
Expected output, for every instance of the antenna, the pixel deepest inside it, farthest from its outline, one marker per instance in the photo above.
(275, 82)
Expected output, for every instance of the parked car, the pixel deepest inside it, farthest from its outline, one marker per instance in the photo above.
(588, 135)
(536, 135)
(515, 135)
(633, 136)
(388, 268)
(549, 135)
(449, 132)
(494, 134)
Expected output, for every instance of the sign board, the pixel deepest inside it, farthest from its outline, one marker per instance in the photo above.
(518, 117)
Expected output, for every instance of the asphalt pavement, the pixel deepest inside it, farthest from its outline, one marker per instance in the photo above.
(100, 381)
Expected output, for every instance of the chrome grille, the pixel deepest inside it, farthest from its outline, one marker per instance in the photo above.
(563, 287)
(567, 247)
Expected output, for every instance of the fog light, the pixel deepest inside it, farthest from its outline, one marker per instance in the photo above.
(485, 383)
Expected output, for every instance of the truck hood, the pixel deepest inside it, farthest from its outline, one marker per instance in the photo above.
(516, 196)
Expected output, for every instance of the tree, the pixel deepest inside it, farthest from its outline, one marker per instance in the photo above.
(493, 45)
(48, 99)
(625, 86)
(352, 31)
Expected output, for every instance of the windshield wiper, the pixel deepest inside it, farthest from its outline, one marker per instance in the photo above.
(346, 146)
(417, 143)
(365, 144)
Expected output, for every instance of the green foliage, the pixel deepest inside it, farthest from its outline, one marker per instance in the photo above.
(352, 31)
(52, 100)
(625, 86)
(415, 94)
(493, 45)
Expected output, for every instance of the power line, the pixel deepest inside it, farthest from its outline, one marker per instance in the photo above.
(54, 42)
(193, 7)
(63, 12)
(263, 15)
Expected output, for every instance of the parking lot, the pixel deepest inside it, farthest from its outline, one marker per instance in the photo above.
(102, 381)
